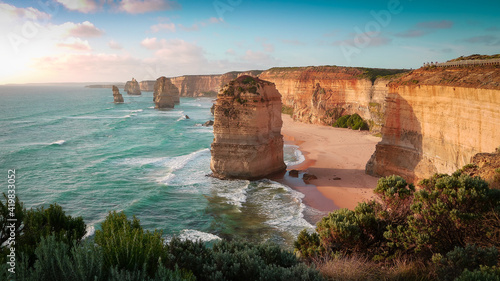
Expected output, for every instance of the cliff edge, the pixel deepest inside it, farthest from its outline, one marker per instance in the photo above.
(436, 119)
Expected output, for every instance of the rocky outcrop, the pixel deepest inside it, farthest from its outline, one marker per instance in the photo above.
(320, 95)
(147, 85)
(247, 130)
(132, 87)
(436, 119)
(118, 98)
(166, 94)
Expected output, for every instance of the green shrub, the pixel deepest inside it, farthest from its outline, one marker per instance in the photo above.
(342, 122)
(287, 110)
(471, 257)
(126, 246)
(355, 122)
(485, 273)
(446, 213)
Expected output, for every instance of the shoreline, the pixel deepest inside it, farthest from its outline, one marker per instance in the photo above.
(337, 157)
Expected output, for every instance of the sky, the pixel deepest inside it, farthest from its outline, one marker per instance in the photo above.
(114, 40)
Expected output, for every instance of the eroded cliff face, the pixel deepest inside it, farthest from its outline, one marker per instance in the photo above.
(437, 120)
(166, 94)
(320, 95)
(132, 87)
(117, 97)
(247, 130)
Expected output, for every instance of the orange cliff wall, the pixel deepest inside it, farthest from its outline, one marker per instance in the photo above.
(436, 120)
(320, 95)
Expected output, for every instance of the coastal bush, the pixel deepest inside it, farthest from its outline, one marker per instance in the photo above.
(126, 246)
(34, 224)
(484, 273)
(456, 261)
(354, 122)
(447, 212)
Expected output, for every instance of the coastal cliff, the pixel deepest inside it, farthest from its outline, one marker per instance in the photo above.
(147, 85)
(322, 94)
(166, 94)
(132, 87)
(437, 119)
(247, 130)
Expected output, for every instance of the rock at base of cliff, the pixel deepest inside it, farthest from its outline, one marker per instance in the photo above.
(308, 178)
(208, 123)
(293, 173)
(166, 94)
(117, 97)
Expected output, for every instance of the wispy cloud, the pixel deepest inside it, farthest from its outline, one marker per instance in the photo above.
(75, 44)
(426, 27)
(170, 27)
(85, 29)
(488, 40)
(443, 24)
(145, 6)
(114, 45)
(82, 6)
(493, 28)
(365, 40)
(293, 42)
(127, 6)
(12, 13)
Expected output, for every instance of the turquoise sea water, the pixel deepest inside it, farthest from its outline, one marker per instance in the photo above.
(73, 146)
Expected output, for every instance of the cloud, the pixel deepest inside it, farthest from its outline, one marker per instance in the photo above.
(426, 27)
(365, 40)
(76, 44)
(85, 29)
(151, 43)
(115, 45)
(163, 26)
(443, 24)
(83, 6)
(145, 6)
(293, 42)
(84, 67)
(493, 28)
(259, 58)
(412, 33)
(230, 52)
(196, 26)
(9, 13)
(489, 40)
(266, 46)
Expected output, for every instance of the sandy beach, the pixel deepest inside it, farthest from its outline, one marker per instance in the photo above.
(337, 157)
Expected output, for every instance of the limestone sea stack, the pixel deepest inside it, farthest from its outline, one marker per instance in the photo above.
(118, 98)
(166, 94)
(247, 128)
(132, 87)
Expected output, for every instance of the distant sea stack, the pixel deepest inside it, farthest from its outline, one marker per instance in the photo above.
(132, 87)
(118, 98)
(166, 94)
(247, 128)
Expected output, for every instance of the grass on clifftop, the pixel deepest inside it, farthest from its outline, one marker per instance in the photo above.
(477, 57)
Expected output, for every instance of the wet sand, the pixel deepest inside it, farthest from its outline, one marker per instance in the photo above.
(337, 157)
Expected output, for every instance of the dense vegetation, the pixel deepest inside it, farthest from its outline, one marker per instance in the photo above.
(49, 246)
(354, 122)
(446, 228)
(453, 220)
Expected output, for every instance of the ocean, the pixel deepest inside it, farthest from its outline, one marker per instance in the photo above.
(73, 146)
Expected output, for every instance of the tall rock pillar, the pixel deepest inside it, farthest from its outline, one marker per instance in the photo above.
(166, 94)
(248, 143)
